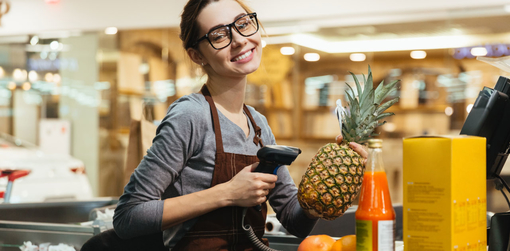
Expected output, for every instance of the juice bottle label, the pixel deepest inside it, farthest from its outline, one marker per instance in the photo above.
(386, 235)
(363, 235)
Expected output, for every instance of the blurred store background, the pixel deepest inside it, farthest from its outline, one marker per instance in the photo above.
(74, 73)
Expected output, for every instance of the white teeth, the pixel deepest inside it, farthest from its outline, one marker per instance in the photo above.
(245, 55)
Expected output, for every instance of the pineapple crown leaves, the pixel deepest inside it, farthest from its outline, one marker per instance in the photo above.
(366, 108)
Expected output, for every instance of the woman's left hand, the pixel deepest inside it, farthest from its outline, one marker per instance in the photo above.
(355, 146)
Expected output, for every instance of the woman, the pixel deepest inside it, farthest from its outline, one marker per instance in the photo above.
(197, 176)
(202, 158)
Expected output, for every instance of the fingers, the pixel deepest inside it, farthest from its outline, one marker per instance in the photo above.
(254, 166)
(355, 146)
(268, 185)
(261, 200)
(251, 167)
(263, 196)
(339, 138)
(359, 149)
(263, 193)
(268, 178)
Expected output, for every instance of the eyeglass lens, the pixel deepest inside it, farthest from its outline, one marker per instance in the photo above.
(246, 26)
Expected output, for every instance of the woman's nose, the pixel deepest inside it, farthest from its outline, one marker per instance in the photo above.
(238, 39)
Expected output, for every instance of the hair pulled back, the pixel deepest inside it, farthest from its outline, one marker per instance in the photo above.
(189, 26)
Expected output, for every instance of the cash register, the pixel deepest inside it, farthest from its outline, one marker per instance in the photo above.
(490, 118)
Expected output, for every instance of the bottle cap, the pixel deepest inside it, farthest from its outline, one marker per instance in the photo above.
(375, 143)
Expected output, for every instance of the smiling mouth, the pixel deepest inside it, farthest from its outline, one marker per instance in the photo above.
(245, 55)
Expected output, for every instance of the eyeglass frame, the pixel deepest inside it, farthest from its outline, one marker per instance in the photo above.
(206, 36)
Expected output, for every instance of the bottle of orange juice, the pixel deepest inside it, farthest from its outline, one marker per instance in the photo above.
(375, 217)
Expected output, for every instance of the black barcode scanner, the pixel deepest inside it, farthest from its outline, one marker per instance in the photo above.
(271, 157)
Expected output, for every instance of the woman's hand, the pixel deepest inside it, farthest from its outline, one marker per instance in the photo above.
(355, 146)
(245, 189)
(248, 189)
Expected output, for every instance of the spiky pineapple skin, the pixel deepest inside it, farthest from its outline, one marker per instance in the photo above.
(332, 181)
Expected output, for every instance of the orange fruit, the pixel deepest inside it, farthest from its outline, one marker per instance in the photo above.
(316, 243)
(337, 246)
(348, 242)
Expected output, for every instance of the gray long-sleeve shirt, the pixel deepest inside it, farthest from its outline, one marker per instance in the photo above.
(181, 161)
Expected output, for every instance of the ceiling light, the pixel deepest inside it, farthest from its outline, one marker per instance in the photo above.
(44, 54)
(110, 31)
(11, 85)
(26, 86)
(478, 51)
(52, 56)
(48, 77)
(448, 111)
(34, 40)
(469, 107)
(357, 57)
(312, 57)
(507, 8)
(144, 68)
(390, 127)
(19, 75)
(287, 50)
(16, 74)
(375, 45)
(32, 76)
(57, 78)
(418, 54)
(291, 29)
(54, 45)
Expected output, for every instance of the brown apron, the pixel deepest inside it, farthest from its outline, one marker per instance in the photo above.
(221, 229)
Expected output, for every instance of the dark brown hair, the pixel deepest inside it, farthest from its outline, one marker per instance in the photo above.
(189, 27)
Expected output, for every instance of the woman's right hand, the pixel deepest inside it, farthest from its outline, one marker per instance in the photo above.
(248, 189)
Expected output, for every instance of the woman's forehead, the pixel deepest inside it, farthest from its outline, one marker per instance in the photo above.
(219, 13)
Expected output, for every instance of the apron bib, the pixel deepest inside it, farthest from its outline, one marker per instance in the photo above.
(221, 229)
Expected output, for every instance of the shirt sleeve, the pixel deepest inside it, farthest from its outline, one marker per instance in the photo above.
(283, 199)
(140, 209)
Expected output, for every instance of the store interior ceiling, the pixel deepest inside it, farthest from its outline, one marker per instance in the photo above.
(325, 16)
(476, 26)
(285, 22)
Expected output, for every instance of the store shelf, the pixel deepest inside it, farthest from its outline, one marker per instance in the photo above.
(318, 109)
(418, 109)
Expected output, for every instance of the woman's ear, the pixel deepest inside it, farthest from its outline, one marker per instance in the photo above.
(196, 56)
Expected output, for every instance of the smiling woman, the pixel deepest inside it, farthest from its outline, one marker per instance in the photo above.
(197, 177)
(235, 45)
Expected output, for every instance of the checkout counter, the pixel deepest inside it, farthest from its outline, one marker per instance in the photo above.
(71, 223)
(74, 222)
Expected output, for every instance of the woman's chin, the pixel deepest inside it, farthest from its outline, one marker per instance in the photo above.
(255, 64)
(249, 68)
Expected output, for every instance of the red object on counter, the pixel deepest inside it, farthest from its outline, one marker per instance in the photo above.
(78, 170)
(18, 174)
(13, 175)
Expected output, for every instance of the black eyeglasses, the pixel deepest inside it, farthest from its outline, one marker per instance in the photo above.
(221, 37)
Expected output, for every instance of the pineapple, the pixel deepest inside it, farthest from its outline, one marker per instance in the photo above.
(333, 178)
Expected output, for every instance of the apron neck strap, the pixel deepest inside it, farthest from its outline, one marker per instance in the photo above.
(216, 120)
(258, 132)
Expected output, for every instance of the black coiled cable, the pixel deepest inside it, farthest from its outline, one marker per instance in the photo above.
(251, 235)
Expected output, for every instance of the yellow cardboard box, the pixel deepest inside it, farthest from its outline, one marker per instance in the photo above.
(444, 194)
